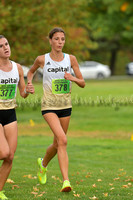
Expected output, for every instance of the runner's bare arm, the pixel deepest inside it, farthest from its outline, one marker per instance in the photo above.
(24, 90)
(39, 62)
(79, 78)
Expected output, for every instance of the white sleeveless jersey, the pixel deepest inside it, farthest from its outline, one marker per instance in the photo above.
(57, 91)
(8, 87)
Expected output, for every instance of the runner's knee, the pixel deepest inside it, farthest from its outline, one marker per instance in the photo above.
(4, 154)
(10, 157)
(62, 141)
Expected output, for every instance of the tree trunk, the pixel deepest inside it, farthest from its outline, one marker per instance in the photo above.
(113, 60)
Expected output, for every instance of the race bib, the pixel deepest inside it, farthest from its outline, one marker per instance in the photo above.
(60, 86)
(7, 91)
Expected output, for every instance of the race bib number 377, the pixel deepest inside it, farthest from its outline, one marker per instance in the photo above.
(60, 86)
(7, 91)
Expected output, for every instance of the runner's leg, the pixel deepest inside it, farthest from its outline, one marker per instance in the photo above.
(52, 149)
(60, 140)
(50, 152)
(9, 139)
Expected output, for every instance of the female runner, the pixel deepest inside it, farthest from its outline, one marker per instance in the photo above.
(56, 103)
(11, 76)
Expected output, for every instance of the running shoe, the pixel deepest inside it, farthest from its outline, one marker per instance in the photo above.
(2, 196)
(66, 186)
(42, 172)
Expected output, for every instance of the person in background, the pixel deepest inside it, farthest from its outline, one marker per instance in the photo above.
(56, 103)
(11, 76)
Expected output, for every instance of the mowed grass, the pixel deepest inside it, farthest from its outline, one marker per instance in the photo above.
(100, 148)
(102, 107)
(98, 169)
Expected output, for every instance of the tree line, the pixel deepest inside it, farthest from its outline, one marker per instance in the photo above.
(95, 29)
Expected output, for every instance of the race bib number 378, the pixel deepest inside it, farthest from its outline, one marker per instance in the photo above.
(60, 86)
(7, 91)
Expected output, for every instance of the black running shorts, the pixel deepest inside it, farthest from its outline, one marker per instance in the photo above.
(7, 116)
(59, 113)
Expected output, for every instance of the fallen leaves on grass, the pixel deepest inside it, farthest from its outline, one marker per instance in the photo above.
(57, 178)
(99, 180)
(76, 195)
(94, 186)
(15, 186)
(9, 181)
(125, 186)
(112, 188)
(121, 169)
(35, 192)
(88, 175)
(122, 174)
(127, 180)
(78, 182)
(30, 176)
(111, 184)
(35, 189)
(105, 194)
(94, 198)
(40, 195)
(115, 179)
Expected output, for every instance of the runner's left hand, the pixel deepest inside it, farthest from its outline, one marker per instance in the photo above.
(30, 88)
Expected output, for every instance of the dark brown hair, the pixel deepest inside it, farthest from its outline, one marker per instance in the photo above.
(55, 30)
(2, 36)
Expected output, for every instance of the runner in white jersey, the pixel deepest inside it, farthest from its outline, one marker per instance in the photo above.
(57, 90)
(11, 76)
(56, 102)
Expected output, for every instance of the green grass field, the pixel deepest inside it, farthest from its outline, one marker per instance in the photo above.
(104, 107)
(100, 148)
(100, 168)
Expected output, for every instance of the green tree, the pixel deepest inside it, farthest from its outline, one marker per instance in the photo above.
(26, 25)
(92, 27)
(22, 25)
(110, 24)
